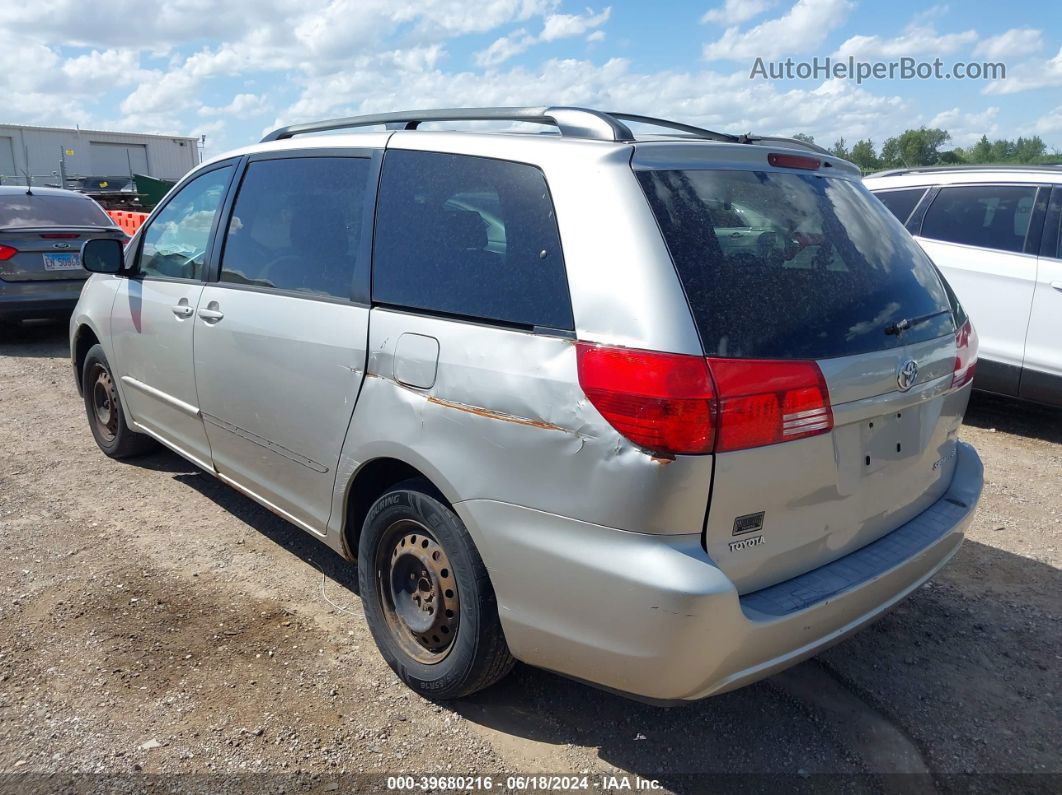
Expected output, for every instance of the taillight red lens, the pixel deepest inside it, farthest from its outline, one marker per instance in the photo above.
(965, 355)
(6, 252)
(677, 404)
(663, 402)
(765, 402)
(793, 161)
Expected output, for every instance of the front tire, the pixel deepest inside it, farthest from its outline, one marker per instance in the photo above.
(104, 409)
(428, 599)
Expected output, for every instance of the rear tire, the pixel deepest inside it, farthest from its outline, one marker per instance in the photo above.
(104, 409)
(428, 599)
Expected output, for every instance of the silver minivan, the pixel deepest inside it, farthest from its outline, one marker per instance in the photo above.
(663, 411)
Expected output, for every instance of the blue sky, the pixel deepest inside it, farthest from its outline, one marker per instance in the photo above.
(233, 70)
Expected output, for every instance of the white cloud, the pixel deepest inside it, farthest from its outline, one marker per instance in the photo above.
(123, 68)
(1050, 124)
(966, 128)
(735, 103)
(562, 26)
(912, 42)
(242, 105)
(554, 27)
(1028, 76)
(734, 12)
(501, 50)
(803, 28)
(1016, 41)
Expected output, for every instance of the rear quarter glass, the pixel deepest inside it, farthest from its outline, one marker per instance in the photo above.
(793, 266)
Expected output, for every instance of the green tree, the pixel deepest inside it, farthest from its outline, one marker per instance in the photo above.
(1027, 150)
(1001, 151)
(919, 147)
(864, 156)
(981, 151)
(808, 139)
(839, 149)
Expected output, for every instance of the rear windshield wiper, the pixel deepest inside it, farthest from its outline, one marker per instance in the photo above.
(900, 326)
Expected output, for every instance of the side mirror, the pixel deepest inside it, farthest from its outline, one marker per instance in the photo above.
(103, 255)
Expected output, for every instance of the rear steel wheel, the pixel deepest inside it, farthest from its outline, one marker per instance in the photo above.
(428, 598)
(421, 601)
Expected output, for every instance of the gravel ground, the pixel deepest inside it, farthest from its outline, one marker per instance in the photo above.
(155, 621)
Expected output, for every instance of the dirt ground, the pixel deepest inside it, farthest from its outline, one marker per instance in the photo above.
(155, 621)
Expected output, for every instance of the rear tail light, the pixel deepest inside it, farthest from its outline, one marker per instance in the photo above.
(765, 402)
(664, 402)
(676, 404)
(6, 252)
(965, 355)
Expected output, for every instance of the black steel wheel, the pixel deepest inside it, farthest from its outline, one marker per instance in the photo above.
(428, 599)
(420, 597)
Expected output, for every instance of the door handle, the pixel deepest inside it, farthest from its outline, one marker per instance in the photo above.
(1057, 286)
(211, 314)
(182, 309)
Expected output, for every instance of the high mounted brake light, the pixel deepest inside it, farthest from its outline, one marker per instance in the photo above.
(793, 161)
(678, 404)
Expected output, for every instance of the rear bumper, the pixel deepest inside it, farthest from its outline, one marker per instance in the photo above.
(39, 299)
(653, 617)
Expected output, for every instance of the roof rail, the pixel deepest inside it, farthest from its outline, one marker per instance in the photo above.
(700, 132)
(570, 121)
(895, 172)
(574, 122)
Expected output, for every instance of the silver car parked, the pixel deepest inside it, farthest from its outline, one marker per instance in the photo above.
(665, 413)
(41, 233)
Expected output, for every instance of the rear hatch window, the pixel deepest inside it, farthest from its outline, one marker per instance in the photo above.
(783, 265)
(48, 210)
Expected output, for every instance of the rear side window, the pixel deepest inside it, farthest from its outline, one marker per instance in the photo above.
(988, 216)
(793, 265)
(901, 203)
(50, 210)
(296, 225)
(469, 236)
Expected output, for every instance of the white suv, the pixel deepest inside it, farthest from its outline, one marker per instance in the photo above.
(994, 232)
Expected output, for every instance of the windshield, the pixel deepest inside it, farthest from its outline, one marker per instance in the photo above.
(49, 210)
(794, 265)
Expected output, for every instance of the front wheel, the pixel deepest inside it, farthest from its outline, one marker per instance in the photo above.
(428, 599)
(104, 408)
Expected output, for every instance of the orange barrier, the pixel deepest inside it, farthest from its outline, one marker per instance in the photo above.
(128, 220)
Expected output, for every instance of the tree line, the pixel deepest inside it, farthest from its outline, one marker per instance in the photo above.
(926, 146)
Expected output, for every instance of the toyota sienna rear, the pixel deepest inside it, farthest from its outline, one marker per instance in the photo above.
(662, 413)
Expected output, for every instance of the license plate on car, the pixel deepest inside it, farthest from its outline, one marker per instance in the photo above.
(62, 262)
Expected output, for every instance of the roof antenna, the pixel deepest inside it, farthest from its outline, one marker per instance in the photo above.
(25, 171)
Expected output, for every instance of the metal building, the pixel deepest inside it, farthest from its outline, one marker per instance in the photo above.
(61, 157)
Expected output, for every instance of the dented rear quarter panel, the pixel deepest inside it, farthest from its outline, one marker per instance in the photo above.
(506, 420)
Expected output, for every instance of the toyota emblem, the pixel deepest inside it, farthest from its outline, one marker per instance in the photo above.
(907, 375)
